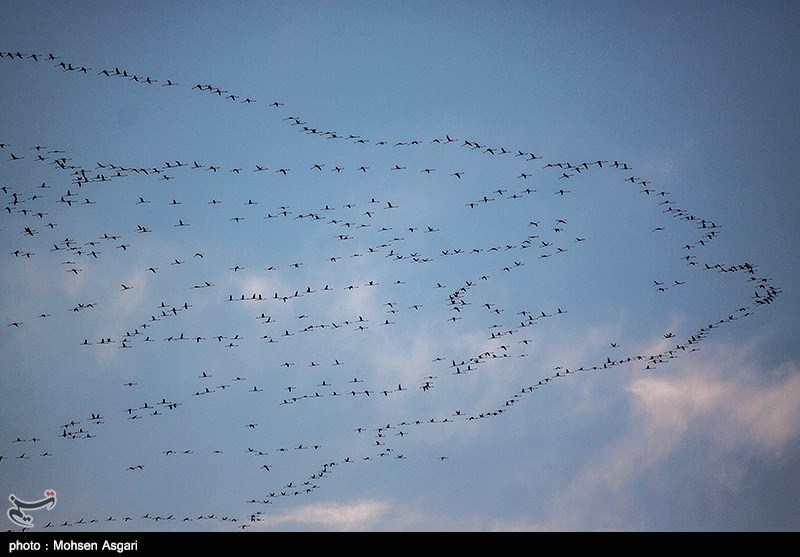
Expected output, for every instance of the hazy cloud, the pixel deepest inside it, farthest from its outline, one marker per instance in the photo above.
(328, 516)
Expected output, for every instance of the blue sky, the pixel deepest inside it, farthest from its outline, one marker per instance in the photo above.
(369, 266)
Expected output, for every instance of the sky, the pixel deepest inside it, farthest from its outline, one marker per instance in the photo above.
(416, 266)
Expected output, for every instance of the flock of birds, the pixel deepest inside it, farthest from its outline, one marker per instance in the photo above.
(39, 219)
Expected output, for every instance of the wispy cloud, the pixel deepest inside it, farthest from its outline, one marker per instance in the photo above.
(726, 397)
(357, 516)
(721, 399)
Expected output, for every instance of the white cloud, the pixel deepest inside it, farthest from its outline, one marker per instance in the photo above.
(720, 399)
(357, 516)
(734, 407)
